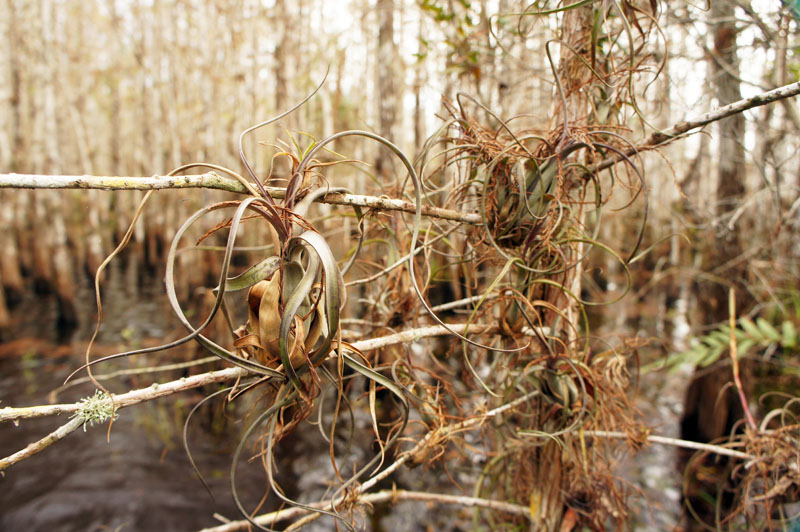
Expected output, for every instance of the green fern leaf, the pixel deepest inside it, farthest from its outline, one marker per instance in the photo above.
(750, 328)
(789, 336)
(712, 356)
(768, 330)
(718, 337)
(744, 346)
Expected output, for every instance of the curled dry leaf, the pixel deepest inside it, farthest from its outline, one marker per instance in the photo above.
(260, 337)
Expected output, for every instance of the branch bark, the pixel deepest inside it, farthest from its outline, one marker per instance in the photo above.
(384, 496)
(431, 437)
(675, 442)
(212, 180)
(186, 383)
(660, 138)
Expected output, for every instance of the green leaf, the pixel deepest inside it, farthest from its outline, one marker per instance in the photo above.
(712, 356)
(255, 273)
(789, 335)
(751, 329)
(744, 346)
(769, 331)
(717, 338)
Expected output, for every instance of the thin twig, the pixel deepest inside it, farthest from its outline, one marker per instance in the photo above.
(675, 442)
(212, 180)
(364, 497)
(131, 371)
(187, 383)
(734, 354)
(39, 446)
(384, 496)
(133, 397)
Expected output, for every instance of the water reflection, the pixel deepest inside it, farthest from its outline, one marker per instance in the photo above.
(140, 479)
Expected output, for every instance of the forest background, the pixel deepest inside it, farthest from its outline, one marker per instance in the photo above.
(140, 88)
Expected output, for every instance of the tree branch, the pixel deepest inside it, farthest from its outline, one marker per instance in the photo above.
(212, 180)
(432, 436)
(186, 383)
(660, 138)
(379, 497)
(39, 446)
(663, 440)
(130, 398)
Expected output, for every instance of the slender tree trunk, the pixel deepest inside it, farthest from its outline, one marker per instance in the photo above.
(13, 48)
(9, 258)
(419, 75)
(712, 407)
(283, 67)
(10, 273)
(5, 316)
(338, 122)
(387, 83)
(8, 98)
(58, 203)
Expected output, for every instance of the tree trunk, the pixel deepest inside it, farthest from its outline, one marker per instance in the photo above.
(387, 83)
(10, 274)
(576, 32)
(5, 316)
(283, 67)
(712, 407)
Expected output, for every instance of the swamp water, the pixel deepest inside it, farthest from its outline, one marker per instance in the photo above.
(142, 480)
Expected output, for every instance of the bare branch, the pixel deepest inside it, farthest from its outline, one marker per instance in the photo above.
(38, 446)
(186, 383)
(686, 444)
(120, 401)
(212, 180)
(470, 423)
(384, 496)
(130, 398)
(660, 138)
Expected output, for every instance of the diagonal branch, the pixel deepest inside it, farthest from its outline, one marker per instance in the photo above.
(361, 491)
(660, 138)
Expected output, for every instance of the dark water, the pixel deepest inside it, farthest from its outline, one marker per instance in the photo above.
(140, 479)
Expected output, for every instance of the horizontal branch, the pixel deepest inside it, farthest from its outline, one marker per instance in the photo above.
(660, 138)
(155, 391)
(675, 442)
(186, 383)
(130, 398)
(214, 181)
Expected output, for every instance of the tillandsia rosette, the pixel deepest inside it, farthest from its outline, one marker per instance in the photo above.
(293, 304)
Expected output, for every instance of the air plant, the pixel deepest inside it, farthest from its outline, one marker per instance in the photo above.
(532, 224)
(294, 298)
